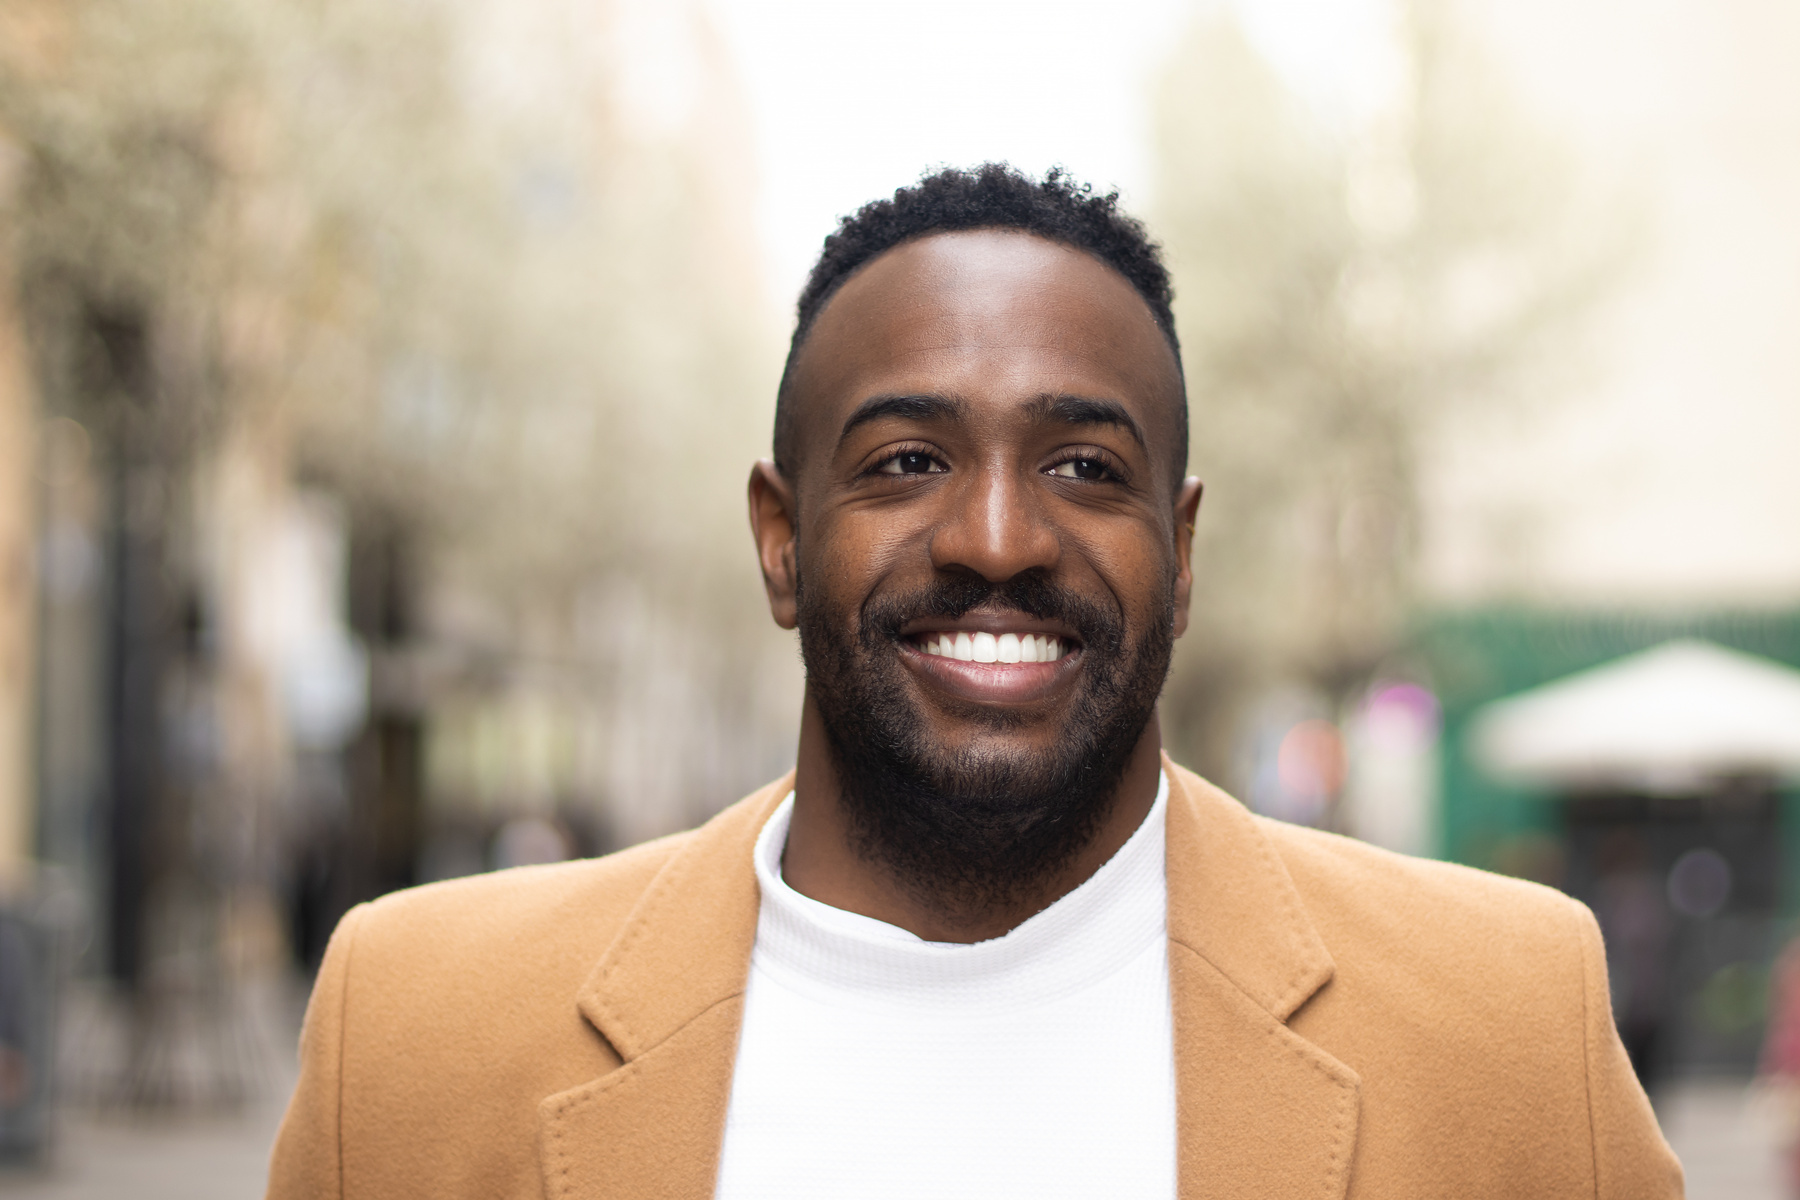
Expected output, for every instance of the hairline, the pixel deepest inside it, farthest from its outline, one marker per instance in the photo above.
(802, 335)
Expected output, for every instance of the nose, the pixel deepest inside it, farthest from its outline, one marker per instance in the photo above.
(996, 528)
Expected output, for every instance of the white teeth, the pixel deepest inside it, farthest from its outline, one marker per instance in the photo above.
(989, 647)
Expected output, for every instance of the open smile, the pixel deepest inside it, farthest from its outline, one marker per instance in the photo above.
(993, 660)
(984, 647)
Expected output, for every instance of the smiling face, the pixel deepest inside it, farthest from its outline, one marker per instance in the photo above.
(990, 561)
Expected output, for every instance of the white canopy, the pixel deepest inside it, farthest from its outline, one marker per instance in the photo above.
(1665, 719)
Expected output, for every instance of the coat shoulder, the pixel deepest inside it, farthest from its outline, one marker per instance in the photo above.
(445, 1015)
(523, 939)
(518, 943)
(1346, 874)
(1474, 1009)
(1484, 970)
(502, 906)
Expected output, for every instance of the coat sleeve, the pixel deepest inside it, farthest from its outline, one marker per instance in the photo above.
(307, 1162)
(1631, 1159)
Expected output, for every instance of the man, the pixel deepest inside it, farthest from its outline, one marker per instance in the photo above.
(986, 940)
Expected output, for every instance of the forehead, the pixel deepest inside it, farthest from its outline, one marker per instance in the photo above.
(989, 316)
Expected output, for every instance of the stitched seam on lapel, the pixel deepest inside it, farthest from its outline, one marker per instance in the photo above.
(1337, 1181)
(1340, 1075)
(1318, 1057)
(587, 1094)
(594, 996)
(1300, 938)
(672, 871)
(1296, 990)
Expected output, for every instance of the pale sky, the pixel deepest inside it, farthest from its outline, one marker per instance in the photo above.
(851, 99)
(1667, 474)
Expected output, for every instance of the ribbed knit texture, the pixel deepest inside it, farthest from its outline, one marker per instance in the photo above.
(873, 1064)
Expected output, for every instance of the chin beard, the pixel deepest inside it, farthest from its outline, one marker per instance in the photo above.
(974, 831)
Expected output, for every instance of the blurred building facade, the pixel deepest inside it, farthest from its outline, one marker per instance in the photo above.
(377, 390)
(1493, 382)
(1650, 497)
(377, 386)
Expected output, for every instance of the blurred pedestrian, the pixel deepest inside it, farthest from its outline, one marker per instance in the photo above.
(1633, 913)
(16, 986)
(1778, 1072)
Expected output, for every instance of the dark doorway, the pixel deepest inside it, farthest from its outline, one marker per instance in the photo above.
(1687, 889)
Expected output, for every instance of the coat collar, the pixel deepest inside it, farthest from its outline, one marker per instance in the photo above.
(1232, 902)
(668, 996)
(1262, 1111)
(686, 946)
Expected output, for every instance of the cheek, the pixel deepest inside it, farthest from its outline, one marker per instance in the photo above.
(840, 561)
(856, 551)
(1137, 568)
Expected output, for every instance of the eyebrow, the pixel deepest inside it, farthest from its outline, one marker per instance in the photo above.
(1071, 410)
(907, 408)
(1082, 410)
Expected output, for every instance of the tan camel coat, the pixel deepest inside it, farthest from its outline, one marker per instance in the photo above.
(1348, 1023)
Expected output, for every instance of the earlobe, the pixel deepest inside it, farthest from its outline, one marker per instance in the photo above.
(1187, 509)
(772, 526)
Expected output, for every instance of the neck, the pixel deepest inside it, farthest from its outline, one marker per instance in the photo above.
(822, 861)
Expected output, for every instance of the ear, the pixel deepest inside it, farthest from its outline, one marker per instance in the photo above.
(773, 523)
(1187, 507)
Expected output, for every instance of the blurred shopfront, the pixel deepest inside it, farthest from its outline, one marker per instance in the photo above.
(1646, 766)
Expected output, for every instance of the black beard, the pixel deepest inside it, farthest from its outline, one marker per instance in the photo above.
(972, 832)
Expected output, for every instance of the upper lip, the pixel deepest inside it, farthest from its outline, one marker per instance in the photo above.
(976, 621)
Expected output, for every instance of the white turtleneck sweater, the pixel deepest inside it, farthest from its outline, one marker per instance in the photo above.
(1038, 1065)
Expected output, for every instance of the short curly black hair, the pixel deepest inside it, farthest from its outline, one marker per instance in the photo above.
(990, 196)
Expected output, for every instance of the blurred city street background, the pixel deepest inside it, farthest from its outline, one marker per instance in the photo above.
(378, 385)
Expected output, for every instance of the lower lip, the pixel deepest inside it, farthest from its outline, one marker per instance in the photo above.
(990, 683)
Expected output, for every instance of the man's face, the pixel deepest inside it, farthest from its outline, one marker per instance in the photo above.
(990, 560)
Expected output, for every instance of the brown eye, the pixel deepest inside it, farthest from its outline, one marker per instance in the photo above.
(912, 462)
(1081, 468)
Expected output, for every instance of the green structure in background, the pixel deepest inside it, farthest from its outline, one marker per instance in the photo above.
(1474, 657)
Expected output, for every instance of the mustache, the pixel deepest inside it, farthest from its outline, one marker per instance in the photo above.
(1100, 626)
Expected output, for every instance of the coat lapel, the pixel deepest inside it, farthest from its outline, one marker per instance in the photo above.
(1262, 1111)
(668, 995)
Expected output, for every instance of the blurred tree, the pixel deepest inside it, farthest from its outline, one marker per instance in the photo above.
(481, 271)
(17, 609)
(1343, 286)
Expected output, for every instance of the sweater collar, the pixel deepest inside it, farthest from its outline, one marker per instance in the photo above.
(687, 945)
(1081, 939)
